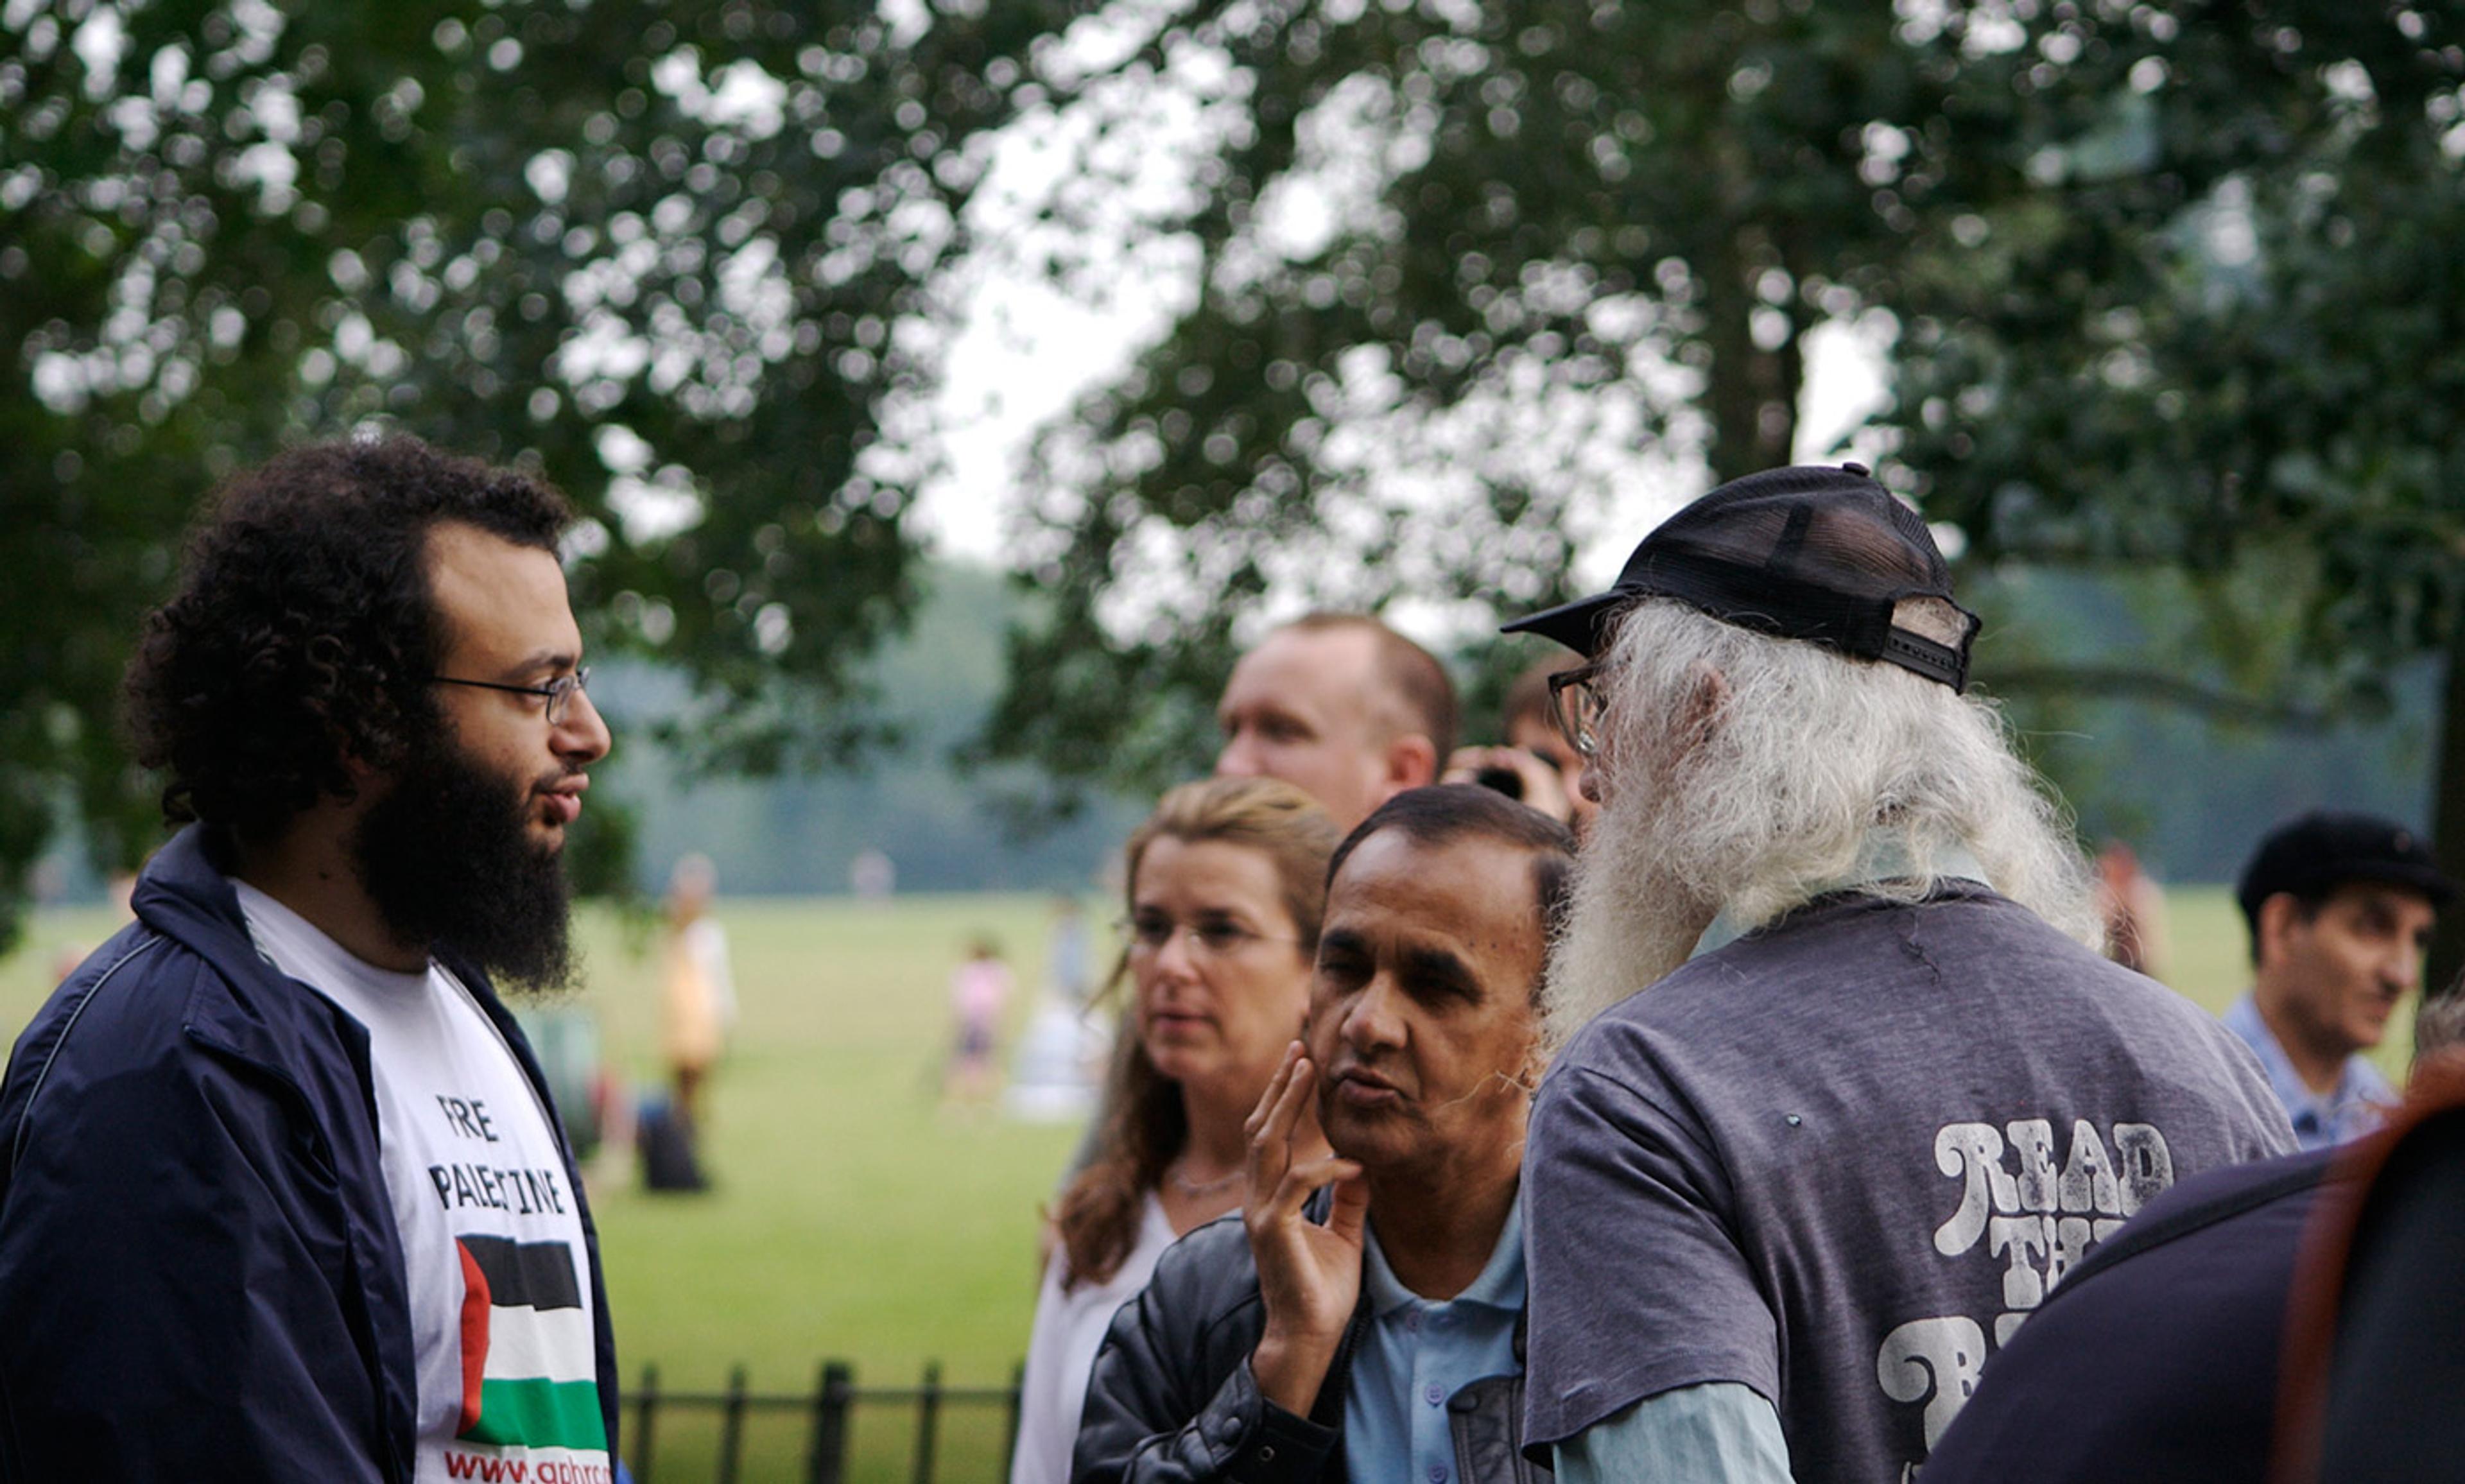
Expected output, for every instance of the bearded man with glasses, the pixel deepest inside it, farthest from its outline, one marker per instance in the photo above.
(1844, 1088)
(282, 1191)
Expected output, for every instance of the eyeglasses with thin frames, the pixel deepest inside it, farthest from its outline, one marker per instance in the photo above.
(1576, 705)
(1212, 938)
(560, 691)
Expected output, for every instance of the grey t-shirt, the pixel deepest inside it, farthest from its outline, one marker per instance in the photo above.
(1840, 1160)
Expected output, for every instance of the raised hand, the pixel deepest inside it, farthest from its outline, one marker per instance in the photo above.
(1309, 1275)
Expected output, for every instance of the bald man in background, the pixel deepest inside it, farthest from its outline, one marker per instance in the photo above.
(1341, 707)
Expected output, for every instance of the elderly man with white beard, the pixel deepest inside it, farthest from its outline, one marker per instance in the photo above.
(1876, 1092)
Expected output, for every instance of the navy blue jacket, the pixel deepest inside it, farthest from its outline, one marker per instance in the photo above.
(200, 1276)
(2394, 1406)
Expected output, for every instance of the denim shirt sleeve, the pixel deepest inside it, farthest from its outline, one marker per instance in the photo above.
(1720, 1432)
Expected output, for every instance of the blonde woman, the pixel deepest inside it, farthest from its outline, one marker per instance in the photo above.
(1227, 881)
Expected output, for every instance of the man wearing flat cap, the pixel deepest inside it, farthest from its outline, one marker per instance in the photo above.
(1878, 1092)
(2341, 908)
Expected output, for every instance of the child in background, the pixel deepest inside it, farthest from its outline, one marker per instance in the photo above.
(979, 988)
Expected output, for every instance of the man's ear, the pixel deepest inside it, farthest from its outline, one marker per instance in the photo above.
(357, 769)
(1709, 698)
(1411, 761)
(2278, 917)
(1536, 1057)
(1699, 716)
(364, 782)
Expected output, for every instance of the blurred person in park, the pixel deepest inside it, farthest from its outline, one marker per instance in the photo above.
(1340, 706)
(1066, 952)
(2340, 908)
(1365, 1319)
(121, 892)
(1225, 882)
(2132, 905)
(980, 990)
(1058, 1071)
(696, 987)
(872, 876)
(2161, 1355)
(1881, 1091)
(1534, 764)
(117, 889)
(284, 1193)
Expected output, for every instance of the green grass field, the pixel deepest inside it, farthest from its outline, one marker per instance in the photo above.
(853, 1217)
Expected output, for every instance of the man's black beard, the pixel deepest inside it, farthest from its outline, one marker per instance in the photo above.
(448, 859)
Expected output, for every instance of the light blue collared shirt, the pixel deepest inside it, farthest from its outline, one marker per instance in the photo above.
(1720, 1432)
(1419, 1353)
(2349, 1109)
(1881, 857)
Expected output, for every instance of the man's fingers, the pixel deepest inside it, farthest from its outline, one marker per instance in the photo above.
(1298, 1078)
(1276, 1085)
(1307, 1175)
(1464, 764)
(1271, 1143)
(1275, 1221)
(1307, 1140)
(1351, 1208)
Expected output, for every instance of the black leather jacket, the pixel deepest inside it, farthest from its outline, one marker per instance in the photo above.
(1172, 1400)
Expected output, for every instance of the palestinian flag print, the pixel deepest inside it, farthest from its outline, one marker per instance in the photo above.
(528, 1379)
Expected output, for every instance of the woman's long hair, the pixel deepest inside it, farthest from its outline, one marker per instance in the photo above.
(1146, 1124)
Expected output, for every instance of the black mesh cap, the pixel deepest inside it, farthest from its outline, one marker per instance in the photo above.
(1816, 553)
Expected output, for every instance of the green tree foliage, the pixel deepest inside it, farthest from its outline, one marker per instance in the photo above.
(2262, 394)
(670, 252)
(1456, 263)
(1465, 272)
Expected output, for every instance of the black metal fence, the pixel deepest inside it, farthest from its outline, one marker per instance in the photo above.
(827, 1422)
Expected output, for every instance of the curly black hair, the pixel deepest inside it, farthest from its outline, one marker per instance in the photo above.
(302, 628)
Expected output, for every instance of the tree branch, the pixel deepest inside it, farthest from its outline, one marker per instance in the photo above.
(2116, 681)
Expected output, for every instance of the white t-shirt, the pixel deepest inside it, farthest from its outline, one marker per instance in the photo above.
(498, 1275)
(1061, 1350)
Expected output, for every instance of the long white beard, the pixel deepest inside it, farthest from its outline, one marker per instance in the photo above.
(1631, 922)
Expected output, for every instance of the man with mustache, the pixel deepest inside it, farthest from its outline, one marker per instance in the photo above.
(282, 1193)
(1374, 1330)
(1845, 1087)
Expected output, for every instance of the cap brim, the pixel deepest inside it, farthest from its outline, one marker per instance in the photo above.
(2430, 881)
(1576, 625)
